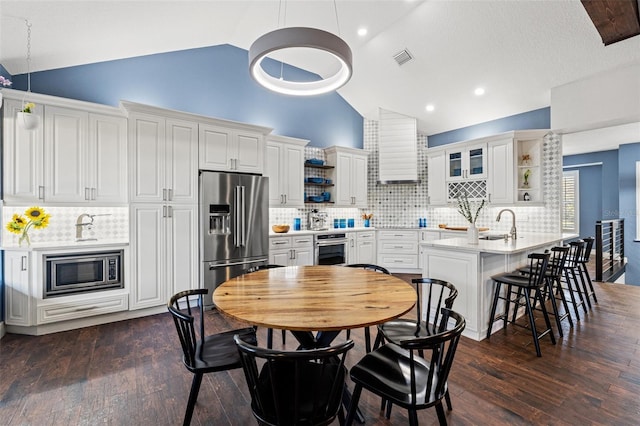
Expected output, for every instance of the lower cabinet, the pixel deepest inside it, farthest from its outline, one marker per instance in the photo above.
(291, 251)
(362, 247)
(164, 252)
(398, 250)
(17, 301)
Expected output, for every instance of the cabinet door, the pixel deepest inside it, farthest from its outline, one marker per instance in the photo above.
(352, 249)
(366, 251)
(359, 181)
(23, 152)
(477, 162)
(181, 167)
(273, 170)
(249, 152)
(280, 257)
(466, 162)
(343, 179)
(293, 172)
(182, 248)
(147, 154)
(500, 178)
(66, 154)
(217, 148)
(436, 183)
(303, 256)
(107, 159)
(17, 295)
(148, 264)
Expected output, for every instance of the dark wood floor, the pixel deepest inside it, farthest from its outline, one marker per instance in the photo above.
(130, 373)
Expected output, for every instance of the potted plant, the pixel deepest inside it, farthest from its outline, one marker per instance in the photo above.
(25, 117)
(4, 82)
(470, 211)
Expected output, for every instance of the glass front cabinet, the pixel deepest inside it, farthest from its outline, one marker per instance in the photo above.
(467, 163)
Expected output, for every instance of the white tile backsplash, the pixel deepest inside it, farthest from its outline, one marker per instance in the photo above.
(113, 226)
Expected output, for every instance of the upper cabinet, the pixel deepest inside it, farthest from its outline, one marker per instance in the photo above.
(164, 159)
(467, 162)
(284, 165)
(349, 176)
(231, 150)
(504, 169)
(78, 154)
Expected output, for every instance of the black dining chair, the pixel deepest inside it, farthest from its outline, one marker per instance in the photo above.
(302, 387)
(374, 268)
(201, 353)
(398, 373)
(270, 330)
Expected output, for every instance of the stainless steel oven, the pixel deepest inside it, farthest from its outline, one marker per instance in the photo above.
(72, 273)
(331, 249)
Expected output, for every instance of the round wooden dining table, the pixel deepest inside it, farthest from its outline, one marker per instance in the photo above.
(321, 299)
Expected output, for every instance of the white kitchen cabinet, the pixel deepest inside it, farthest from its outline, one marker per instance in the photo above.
(18, 307)
(164, 252)
(436, 183)
(291, 250)
(366, 247)
(164, 159)
(500, 179)
(398, 250)
(349, 176)
(466, 162)
(230, 150)
(284, 165)
(23, 152)
(76, 156)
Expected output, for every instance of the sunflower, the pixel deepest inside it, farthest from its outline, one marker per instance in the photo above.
(35, 213)
(43, 222)
(16, 224)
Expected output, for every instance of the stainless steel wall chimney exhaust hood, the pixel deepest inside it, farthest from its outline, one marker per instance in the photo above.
(398, 150)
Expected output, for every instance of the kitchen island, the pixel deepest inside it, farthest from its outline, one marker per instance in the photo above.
(470, 266)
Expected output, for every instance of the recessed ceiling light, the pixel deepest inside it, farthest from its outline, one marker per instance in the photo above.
(430, 107)
(479, 91)
(362, 31)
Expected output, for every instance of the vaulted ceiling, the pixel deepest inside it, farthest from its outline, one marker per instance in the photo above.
(516, 50)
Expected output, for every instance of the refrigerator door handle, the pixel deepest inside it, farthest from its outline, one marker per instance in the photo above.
(243, 216)
(236, 219)
(224, 265)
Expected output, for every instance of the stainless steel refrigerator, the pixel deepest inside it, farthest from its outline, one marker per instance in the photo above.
(234, 220)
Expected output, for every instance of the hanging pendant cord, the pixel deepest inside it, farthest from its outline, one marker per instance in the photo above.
(28, 54)
(335, 9)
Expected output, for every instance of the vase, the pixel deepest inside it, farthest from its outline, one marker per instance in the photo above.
(472, 234)
(367, 223)
(24, 238)
(27, 120)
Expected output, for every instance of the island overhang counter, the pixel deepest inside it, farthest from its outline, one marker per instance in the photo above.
(469, 267)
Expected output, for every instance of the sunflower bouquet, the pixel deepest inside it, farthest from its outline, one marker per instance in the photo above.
(33, 217)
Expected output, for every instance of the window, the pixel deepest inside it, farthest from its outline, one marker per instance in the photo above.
(570, 202)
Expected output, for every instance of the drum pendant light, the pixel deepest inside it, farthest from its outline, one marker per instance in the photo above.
(300, 37)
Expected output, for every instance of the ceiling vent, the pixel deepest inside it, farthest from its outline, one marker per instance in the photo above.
(403, 56)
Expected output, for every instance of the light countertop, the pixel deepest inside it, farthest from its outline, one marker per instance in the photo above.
(326, 231)
(63, 245)
(525, 241)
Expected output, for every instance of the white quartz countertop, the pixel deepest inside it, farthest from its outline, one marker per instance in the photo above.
(326, 231)
(63, 245)
(524, 242)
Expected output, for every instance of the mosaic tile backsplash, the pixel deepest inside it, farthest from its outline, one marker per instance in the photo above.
(110, 223)
(403, 205)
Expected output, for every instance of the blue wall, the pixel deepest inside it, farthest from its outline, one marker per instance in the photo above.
(629, 154)
(536, 119)
(598, 187)
(211, 81)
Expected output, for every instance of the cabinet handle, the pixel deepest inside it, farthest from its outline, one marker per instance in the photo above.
(170, 194)
(293, 254)
(285, 198)
(164, 211)
(281, 199)
(276, 243)
(23, 263)
(164, 194)
(352, 243)
(93, 193)
(489, 197)
(170, 211)
(87, 193)
(41, 192)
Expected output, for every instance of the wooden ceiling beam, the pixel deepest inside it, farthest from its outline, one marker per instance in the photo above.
(615, 20)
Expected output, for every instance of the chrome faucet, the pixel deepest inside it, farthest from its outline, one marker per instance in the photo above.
(80, 224)
(513, 232)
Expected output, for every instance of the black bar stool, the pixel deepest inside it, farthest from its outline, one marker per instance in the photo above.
(584, 272)
(525, 284)
(553, 277)
(571, 272)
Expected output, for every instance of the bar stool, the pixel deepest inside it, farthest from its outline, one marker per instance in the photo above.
(571, 271)
(584, 272)
(534, 281)
(553, 276)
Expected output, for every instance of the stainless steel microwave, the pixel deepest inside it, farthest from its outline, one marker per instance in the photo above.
(73, 273)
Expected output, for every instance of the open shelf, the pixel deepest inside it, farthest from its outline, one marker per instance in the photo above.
(318, 166)
(318, 184)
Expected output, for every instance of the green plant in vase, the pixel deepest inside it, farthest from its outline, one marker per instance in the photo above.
(527, 173)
